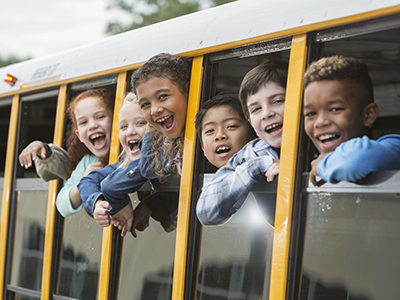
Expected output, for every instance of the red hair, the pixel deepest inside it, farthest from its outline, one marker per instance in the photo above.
(77, 149)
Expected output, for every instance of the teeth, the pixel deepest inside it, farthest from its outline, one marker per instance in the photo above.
(96, 136)
(133, 142)
(326, 137)
(273, 126)
(222, 148)
(162, 119)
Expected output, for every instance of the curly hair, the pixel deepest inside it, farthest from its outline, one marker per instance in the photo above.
(275, 71)
(349, 70)
(177, 70)
(77, 149)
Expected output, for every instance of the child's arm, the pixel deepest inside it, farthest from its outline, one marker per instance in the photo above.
(63, 202)
(230, 187)
(146, 152)
(101, 214)
(89, 186)
(273, 170)
(356, 158)
(116, 186)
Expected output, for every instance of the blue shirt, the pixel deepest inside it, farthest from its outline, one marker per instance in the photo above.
(233, 182)
(356, 158)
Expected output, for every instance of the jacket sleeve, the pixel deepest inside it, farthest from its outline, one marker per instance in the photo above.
(356, 158)
(229, 189)
(56, 166)
(89, 187)
(116, 186)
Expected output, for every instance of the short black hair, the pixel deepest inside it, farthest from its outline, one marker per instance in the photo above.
(223, 98)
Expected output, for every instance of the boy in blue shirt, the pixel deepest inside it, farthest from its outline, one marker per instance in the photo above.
(262, 95)
(339, 111)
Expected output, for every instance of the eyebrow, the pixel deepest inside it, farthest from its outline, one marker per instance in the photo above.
(330, 102)
(224, 120)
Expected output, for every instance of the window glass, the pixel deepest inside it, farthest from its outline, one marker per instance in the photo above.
(147, 263)
(30, 221)
(351, 246)
(80, 257)
(5, 111)
(235, 258)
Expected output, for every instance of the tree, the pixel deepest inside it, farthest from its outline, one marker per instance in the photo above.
(11, 59)
(146, 12)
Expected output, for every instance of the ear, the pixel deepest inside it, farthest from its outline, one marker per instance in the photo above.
(370, 114)
(202, 148)
(77, 134)
(250, 122)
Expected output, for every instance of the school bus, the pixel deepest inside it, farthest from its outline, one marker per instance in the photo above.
(329, 242)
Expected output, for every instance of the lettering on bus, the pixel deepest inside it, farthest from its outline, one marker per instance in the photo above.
(44, 72)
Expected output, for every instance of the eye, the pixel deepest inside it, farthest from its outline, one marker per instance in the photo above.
(279, 101)
(309, 114)
(100, 116)
(141, 123)
(336, 109)
(81, 123)
(233, 126)
(208, 131)
(255, 109)
(144, 105)
(123, 127)
(163, 96)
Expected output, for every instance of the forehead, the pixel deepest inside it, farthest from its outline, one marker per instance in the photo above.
(218, 114)
(130, 110)
(265, 91)
(93, 103)
(325, 91)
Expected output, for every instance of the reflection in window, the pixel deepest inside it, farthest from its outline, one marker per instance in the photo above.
(235, 260)
(147, 263)
(351, 247)
(27, 259)
(80, 257)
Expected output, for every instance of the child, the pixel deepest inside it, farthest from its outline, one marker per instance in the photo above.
(162, 87)
(262, 94)
(88, 147)
(132, 126)
(339, 111)
(222, 128)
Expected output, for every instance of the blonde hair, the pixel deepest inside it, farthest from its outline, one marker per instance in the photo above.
(129, 98)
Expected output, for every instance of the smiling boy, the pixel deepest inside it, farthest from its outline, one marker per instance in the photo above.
(262, 95)
(339, 111)
(222, 127)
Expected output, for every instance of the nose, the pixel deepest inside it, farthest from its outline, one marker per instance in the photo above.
(221, 135)
(93, 124)
(321, 120)
(268, 112)
(156, 109)
(131, 131)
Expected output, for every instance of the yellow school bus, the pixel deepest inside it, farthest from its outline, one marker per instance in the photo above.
(329, 242)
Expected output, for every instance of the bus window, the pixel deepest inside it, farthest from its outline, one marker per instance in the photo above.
(5, 111)
(36, 121)
(352, 230)
(80, 246)
(151, 278)
(235, 258)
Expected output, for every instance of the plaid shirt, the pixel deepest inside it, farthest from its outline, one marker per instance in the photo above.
(233, 182)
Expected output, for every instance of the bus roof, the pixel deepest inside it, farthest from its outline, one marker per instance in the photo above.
(202, 32)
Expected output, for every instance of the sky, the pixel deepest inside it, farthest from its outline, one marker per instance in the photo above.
(37, 28)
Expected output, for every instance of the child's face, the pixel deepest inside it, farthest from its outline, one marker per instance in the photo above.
(132, 126)
(332, 114)
(224, 133)
(163, 105)
(266, 108)
(94, 125)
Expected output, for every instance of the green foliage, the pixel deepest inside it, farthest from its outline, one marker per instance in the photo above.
(147, 12)
(11, 59)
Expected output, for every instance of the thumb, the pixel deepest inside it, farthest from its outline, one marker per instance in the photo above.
(43, 153)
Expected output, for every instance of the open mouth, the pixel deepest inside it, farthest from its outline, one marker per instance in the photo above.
(133, 146)
(98, 140)
(166, 122)
(273, 128)
(223, 149)
(328, 138)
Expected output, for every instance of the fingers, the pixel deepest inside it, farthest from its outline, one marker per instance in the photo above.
(101, 214)
(272, 171)
(28, 155)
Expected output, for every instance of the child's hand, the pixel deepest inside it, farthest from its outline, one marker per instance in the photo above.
(123, 219)
(273, 170)
(94, 166)
(101, 214)
(28, 155)
(141, 220)
(314, 171)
